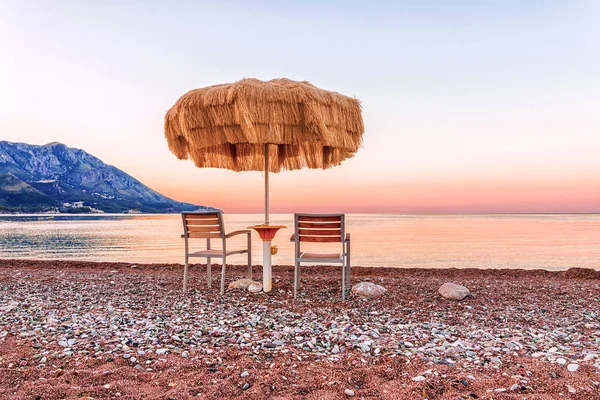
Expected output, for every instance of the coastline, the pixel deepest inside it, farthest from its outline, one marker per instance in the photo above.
(517, 329)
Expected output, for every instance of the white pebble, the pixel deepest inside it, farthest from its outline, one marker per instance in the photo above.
(573, 367)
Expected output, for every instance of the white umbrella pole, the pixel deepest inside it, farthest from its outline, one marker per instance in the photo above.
(266, 184)
(267, 270)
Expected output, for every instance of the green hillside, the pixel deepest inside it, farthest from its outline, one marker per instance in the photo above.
(18, 196)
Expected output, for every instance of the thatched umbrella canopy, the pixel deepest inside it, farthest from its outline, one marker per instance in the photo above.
(253, 125)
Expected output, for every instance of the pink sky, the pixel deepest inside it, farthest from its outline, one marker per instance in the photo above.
(467, 109)
(573, 194)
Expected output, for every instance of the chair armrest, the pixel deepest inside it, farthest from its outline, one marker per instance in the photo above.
(347, 237)
(293, 237)
(230, 234)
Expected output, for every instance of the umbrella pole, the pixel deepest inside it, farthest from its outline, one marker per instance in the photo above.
(266, 184)
(267, 270)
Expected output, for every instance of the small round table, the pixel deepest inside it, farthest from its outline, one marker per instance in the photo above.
(267, 233)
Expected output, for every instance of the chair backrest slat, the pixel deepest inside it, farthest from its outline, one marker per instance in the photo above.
(317, 225)
(203, 225)
(320, 232)
(320, 239)
(317, 218)
(198, 235)
(319, 228)
(202, 222)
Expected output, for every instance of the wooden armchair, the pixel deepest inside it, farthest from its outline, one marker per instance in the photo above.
(209, 225)
(321, 228)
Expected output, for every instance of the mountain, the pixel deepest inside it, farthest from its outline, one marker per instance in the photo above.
(55, 177)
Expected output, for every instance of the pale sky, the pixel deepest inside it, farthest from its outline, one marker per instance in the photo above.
(470, 106)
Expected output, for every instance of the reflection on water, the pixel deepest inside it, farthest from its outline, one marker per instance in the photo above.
(432, 241)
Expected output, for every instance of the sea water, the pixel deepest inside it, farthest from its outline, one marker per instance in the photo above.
(548, 241)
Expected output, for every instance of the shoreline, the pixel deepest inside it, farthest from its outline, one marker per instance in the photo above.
(569, 273)
(107, 330)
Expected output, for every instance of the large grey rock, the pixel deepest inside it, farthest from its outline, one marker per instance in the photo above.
(368, 290)
(255, 287)
(241, 284)
(453, 291)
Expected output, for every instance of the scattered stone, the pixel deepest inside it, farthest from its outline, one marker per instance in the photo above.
(244, 374)
(368, 290)
(418, 378)
(561, 361)
(514, 387)
(571, 389)
(255, 287)
(349, 392)
(107, 386)
(246, 386)
(161, 351)
(453, 291)
(573, 367)
(11, 305)
(241, 284)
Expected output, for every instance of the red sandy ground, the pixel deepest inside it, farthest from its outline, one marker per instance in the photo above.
(282, 376)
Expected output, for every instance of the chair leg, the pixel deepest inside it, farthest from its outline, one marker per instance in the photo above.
(296, 278)
(249, 257)
(223, 276)
(348, 285)
(249, 265)
(185, 274)
(343, 281)
(348, 268)
(209, 272)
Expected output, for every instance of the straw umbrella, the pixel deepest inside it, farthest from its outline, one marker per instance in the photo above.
(270, 126)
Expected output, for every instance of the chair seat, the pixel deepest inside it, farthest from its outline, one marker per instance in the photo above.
(215, 253)
(321, 257)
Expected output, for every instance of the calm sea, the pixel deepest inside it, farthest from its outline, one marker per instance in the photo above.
(551, 242)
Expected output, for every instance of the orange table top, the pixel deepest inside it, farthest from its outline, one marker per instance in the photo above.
(263, 226)
(267, 232)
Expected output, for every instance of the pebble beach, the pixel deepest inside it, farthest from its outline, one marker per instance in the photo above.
(88, 330)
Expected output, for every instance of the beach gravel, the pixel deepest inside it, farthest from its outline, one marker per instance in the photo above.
(67, 331)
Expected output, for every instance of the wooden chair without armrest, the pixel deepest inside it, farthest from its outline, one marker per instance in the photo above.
(321, 228)
(209, 225)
